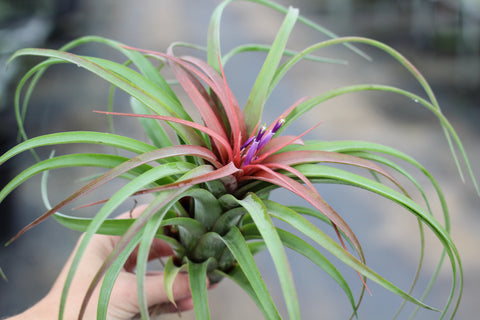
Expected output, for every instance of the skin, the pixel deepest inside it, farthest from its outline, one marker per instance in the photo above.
(123, 302)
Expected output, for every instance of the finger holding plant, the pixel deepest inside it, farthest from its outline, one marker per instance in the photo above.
(210, 179)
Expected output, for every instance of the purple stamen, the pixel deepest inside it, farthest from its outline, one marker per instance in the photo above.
(278, 125)
(259, 141)
(265, 139)
(260, 133)
(251, 153)
(247, 143)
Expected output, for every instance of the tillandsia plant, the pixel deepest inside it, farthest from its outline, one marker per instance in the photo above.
(210, 179)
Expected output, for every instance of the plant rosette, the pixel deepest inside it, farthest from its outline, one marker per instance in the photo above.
(210, 179)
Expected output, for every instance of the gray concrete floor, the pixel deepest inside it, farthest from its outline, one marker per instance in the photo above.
(33, 261)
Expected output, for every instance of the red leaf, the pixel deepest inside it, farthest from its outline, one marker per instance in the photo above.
(211, 77)
(294, 171)
(286, 112)
(280, 142)
(315, 156)
(217, 174)
(191, 124)
(205, 106)
(222, 173)
(280, 146)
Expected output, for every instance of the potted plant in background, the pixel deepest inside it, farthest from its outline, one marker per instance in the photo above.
(210, 178)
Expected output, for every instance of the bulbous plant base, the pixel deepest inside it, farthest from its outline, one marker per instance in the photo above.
(199, 238)
(213, 268)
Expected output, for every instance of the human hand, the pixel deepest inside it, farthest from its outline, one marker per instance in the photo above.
(123, 301)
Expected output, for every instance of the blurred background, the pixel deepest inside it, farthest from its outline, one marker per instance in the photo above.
(441, 38)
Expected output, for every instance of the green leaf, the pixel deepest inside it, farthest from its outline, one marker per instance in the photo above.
(21, 109)
(255, 47)
(238, 276)
(127, 80)
(138, 86)
(207, 208)
(140, 61)
(99, 138)
(284, 68)
(2, 275)
(364, 149)
(152, 128)
(237, 245)
(259, 214)
(214, 29)
(311, 231)
(167, 169)
(111, 275)
(159, 205)
(170, 272)
(145, 67)
(213, 41)
(226, 260)
(432, 105)
(197, 274)
(118, 198)
(334, 174)
(256, 100)
(256, 247)
(112, 227)
(208, 246)
(310, 24)
(67, 161)
(216, 187)
(297, 244)
(229, 219)
(190, 231)
(151, 229)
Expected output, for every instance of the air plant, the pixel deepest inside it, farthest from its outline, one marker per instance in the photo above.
(210, 179)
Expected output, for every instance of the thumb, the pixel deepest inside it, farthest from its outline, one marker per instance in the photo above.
(124, 299)
(155, 290)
